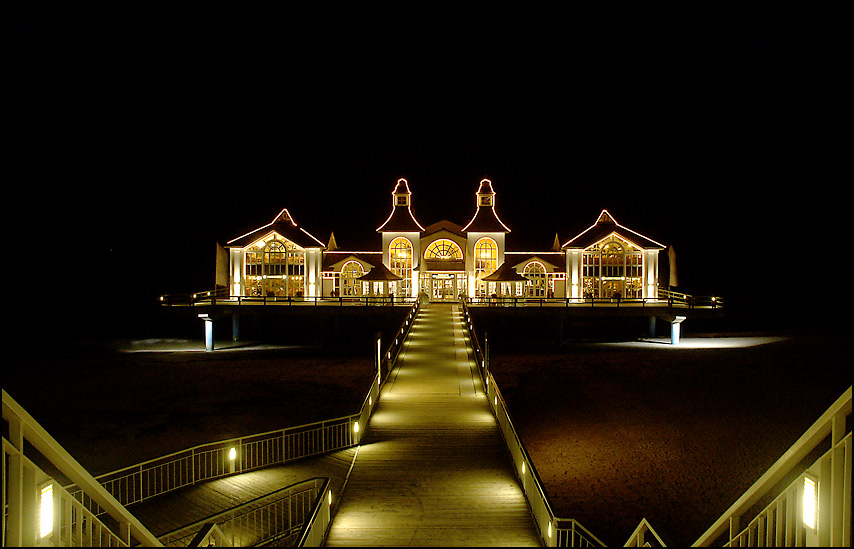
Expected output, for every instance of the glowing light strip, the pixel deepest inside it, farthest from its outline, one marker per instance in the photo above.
(618, 225)
(492, 207)
(273, 222)
(394, 206)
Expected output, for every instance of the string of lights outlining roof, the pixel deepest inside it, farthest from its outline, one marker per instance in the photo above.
(605, 219)
(403, 222)
(283, 218)
(490, 196)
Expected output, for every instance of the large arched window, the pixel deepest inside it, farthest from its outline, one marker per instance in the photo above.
(400, 263)
(443, 249)
(612, 268)
(350, 273)
(275, 267)
(535, 272)
(485, 261)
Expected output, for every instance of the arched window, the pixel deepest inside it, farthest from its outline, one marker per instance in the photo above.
(443, 249)
(274, 267)
(350, 272)
(485, 261)
(400, 262)
(535, 272)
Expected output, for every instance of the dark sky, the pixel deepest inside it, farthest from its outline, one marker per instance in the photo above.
(146, 133)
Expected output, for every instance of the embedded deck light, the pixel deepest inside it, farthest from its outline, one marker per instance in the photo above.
(46, 511)
(810, 503)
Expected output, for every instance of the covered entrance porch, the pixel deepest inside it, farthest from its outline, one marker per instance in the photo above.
(445, 283)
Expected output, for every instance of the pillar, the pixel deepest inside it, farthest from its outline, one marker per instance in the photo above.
(675, 330)
(652, 326)
(235, 327)
(209, 342)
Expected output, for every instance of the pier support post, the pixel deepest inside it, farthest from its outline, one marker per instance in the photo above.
(676, 329)
(235, 327)
(652, 326)
(209, 342)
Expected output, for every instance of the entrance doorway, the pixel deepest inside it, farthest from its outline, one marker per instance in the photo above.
(443, 287)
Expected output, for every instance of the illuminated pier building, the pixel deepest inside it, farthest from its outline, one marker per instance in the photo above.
(443, 261)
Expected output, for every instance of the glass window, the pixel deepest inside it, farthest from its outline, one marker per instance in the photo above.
(350, 272)
(400, 263)
(443, 249)
(485, 261)
(535, 272)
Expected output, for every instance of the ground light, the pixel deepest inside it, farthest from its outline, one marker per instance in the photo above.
(46, 515)
(810, 502)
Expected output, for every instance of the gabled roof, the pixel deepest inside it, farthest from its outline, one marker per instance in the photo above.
(282, 224)
(606, 225)
(443, 225)
(400, 219)
(505, 273)
(554, 260)
(485, 219)
(330, 259)
(379, 272)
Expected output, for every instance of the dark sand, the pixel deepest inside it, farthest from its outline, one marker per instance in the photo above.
(617, 432)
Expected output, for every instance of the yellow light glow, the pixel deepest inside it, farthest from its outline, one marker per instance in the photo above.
(356, 427)
(810, 504)
(46, 515)
(232, 454)
(523, 467)
(330, 497)
(495, 401)
(550, 529)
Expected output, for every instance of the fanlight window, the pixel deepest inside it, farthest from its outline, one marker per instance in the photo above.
(443, 249)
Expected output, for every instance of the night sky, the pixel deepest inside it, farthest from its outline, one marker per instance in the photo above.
(142, 135)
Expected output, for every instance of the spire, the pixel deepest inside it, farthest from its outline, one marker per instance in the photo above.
(556, 244)
(401, 218)
(485, 219)
(331, 246)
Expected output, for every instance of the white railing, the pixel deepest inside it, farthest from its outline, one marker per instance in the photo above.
(641, 536)
(280, 515)
(554, 531)
(814, 509)
(40, 512)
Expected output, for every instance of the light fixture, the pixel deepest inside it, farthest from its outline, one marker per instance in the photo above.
(810, 503)
(46, 515)
(523, 467)
(330, 497)
(550, 529)
(232, 454)
(356, 427)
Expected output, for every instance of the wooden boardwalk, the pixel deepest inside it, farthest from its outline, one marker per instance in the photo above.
(185, 506)
(432, 468)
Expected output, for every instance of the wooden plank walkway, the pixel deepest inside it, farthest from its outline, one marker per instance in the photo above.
(185, 506)
(432, 468)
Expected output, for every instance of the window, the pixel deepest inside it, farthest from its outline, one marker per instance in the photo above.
(400, 263)
(535, 272)
(443, 249)
(274, 267)
(612, 268)
(485, 261)
(350, 272)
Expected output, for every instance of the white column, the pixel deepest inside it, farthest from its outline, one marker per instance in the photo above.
(676, 330)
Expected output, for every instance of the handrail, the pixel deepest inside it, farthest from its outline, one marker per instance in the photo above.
(214, 297)
(208, 461)
(22, 426)
(553, 530)
(831, 422)
(665, 297)
(639, 539)
(223, 519)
